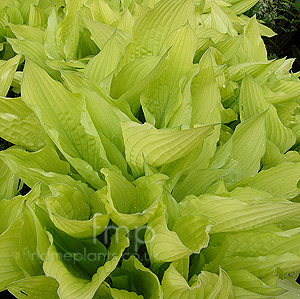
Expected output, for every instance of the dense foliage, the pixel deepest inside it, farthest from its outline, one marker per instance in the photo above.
(160, 147)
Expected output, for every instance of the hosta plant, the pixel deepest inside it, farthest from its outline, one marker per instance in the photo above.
(156, 152)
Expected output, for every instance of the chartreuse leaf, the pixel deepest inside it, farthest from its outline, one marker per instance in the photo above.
(188, 235)
(8, 181)
(252, 47)
(203, 44)
(251, 195)
(266, 31)
(70, 211)
(229, 47)
(281, 91)
(175, 169)
(238, 158)
(9, 242)
(64, 117)
(282, 180)
(220, 21)
(205, 112)
(134, 78)
(261, 71)
(148, 3)
(289, 114)
(131, 205)
(38, 159)
(34, 167)
(161, 98)
(104, 291)
(241, 6)
(231, 214)
(86, 46)
(210, 34)
(21, 245)
(245, 284)
(3, 22)
(34, 51)
(72, 286)
(86, 255)
(12, 209)
(25, 32)
(278, 158)
(15, 15)
(103, 64)
(138, 140)
(223, 286)
(151, 28)
(137, 279)
(182, 266)
(126, 22)
(105, 117)
(292, 287)
(37, 17)
(47, 5)
(78, 80)
(20, 126)
(252, 102)
(245, 243)
(34, 287)
(262, 266)
(163, 245)
(175, 286)
(102, 32)
(132, 73)
(33, 242)
(103, 13)
(197, 182)
(25, 8)
(67, 34)
(29, 167)
(206, 285)
(237, 162)
(186, 226)
(283, 72)
(273, 156)
(50, 36)
(123, 294)
(243, 251)
(218, 188)
(173, 211)
(7, 72)
(182, 116)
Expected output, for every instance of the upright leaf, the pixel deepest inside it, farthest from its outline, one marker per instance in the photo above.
(20, 126)
(151, 28)
(67, 35)
(7, 72)
(238, 158)
(159, 147)
(161, 97)
(61, 114)
(252, 102)
(72, 286)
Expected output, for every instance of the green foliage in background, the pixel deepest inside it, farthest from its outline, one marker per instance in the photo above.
(282, 16)
(160, 147)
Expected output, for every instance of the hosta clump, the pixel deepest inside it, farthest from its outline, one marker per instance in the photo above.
(160, 146)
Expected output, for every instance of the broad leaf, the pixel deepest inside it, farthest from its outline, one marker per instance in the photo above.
(138, 140)
(77, 141)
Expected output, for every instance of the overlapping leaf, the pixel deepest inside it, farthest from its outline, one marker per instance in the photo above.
(159, 99)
